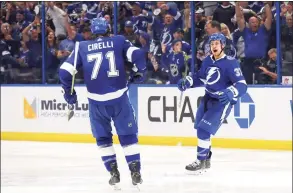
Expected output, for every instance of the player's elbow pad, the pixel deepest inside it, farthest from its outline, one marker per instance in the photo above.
(238, 89)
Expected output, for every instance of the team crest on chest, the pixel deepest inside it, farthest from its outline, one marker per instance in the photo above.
(213, 75)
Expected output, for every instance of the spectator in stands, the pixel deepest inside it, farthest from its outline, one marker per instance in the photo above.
(204, 47)
(209, 7)
(73, 34)
(286, 10)
(247, 10)
(158, 74)
(161, 22)
(177, 62)
(123, 16)
(238, 43)
(144, 40)
(58, 18)
(226, 31)
(229, 49)
(8, 54)
(165, 24)
(109, 20)
(140, 18)
(11, 39)
(33, 38)
(10, 13)
(129, 32)
(179, 35)
(224, 13)
(256, 40)
(23, 55)
(270, 69)
(21, 23)
(200, 23)
(186, 15)
(287, 39)
(51, 58)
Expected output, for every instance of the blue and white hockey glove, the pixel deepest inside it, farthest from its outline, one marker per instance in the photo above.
(184, 83)
(226, 96)
(70, 99)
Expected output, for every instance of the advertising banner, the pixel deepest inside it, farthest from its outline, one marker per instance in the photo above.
(262, 114)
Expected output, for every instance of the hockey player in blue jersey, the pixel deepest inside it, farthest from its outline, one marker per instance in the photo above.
(102, 61)
(224, 84)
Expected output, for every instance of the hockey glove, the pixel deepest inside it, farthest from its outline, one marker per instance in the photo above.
(184, 83)
(70, 99)
(226, 96)
(137, 78)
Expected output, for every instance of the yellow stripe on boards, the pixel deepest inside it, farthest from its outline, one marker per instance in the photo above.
(151, 140)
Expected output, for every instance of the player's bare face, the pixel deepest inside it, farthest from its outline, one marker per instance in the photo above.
(216, 47)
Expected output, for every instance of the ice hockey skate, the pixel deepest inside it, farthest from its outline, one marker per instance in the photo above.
(135, 174)
(115, 176)
(199, 167)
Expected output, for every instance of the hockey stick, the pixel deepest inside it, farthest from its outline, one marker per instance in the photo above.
(181, 94)
(71, 107)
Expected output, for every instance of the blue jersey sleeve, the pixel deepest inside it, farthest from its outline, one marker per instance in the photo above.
(235, 75)
(67, 69)
(135, 55)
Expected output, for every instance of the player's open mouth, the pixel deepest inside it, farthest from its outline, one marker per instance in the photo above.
(215, 50)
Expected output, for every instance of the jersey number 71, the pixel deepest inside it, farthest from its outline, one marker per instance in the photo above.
(98, 58)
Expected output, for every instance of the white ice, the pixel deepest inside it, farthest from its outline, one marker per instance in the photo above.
(37, 167)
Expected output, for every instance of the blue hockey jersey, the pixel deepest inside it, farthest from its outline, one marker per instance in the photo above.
(176, 65)
(102, 61)
(141, 22)
(163, 32)
(220, 74)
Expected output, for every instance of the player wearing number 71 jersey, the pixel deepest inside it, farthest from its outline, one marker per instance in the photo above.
(224, 84)
(102, 61)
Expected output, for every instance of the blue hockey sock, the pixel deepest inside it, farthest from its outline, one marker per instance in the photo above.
(107, 151)
(130, 147)
(204, 144)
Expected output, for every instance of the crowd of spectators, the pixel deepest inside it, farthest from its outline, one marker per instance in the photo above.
(161, 29)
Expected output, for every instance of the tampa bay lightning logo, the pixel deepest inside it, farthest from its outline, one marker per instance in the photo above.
(166, 37)
(213, 75)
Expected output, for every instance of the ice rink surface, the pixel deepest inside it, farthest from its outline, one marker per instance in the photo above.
(37, 167)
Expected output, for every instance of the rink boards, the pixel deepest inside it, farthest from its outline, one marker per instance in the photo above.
(262, 119)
